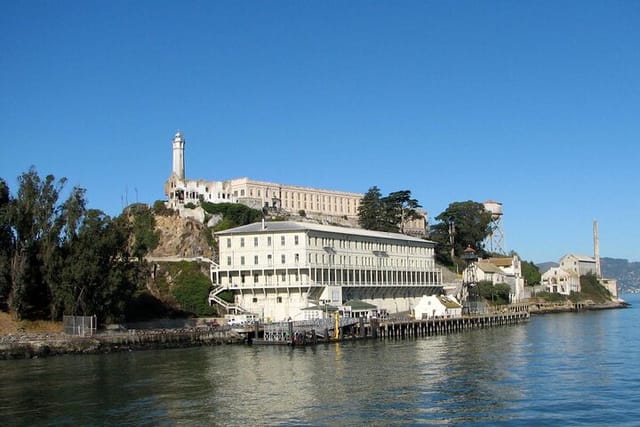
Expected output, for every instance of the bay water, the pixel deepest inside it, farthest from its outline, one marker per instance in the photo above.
(557, 370)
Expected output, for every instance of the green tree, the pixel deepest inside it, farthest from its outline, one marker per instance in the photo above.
(6, 243)
(531, 273)
(399, 208)
(370, 210)
(498, 293)
(97, 276)
(62, 259)
(469, 221)
(38, 221)
(389, 213)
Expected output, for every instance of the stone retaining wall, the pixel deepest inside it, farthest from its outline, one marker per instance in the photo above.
(26, 346)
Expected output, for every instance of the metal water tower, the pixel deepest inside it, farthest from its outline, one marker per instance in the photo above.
(495, 241)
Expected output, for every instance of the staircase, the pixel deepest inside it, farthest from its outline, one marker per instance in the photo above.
(230, 308)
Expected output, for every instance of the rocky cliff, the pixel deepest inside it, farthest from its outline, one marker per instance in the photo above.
(182, 237)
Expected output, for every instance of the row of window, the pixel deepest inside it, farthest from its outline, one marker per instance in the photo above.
(256, 241)
(368, 261)
(342, 260)
(318, 207)
(368, 246)
(283, 259)
(300, 196)
(256, 278)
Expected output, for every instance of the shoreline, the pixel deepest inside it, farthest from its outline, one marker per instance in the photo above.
(37, 345)
(568, 307)
(31, 346)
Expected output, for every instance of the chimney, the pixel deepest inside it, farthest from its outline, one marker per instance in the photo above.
(596, 248)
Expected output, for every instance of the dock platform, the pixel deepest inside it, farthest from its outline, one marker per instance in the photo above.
(324, 330)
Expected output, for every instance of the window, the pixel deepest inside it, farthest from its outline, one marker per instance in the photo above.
(254, 299)
(269, 259)
(242, 278)
(228, 260)
(255, 278)
(296, 257)
(268, 240)
(279, 299)
(255, 259)
(229, 242)
(241, 260)
(282, 240)
(283, 258)
(296, 239)
(242, 242)
(255, 241)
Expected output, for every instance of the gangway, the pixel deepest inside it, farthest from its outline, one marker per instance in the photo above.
(296, 332)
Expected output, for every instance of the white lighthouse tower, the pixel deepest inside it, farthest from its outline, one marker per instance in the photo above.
(496, 238)
(178, 155)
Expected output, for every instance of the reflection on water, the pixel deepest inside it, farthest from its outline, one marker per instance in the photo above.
(558, 369)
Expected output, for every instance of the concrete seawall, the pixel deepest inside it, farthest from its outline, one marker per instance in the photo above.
(26, 346)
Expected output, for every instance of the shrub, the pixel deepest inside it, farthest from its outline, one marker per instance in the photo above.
(191, 290)
(234, 214)
(161, 209)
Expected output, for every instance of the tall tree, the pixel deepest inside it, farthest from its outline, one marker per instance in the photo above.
(97, 276)
(389, 213)
(36, 220)
(399, 208)
(6, 243)
(470, 223)
(370, 210)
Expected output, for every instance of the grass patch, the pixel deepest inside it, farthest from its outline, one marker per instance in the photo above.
(9, 325)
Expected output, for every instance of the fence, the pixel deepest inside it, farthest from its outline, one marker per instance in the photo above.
(80, 325)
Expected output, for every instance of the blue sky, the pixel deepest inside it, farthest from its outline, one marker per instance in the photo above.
(533, 104)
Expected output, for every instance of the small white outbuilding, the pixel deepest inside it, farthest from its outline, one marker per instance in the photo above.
(437, 306)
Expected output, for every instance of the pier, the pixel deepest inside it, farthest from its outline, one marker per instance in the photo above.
(326, 330)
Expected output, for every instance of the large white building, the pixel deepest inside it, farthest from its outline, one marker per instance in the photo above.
(280, 270)
(560, 280)
(293, 199)
(507, 270)
(579, 264)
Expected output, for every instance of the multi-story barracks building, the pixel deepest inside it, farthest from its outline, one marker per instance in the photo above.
(282, 270)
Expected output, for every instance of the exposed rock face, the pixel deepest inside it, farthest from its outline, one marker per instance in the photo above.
(184, 237)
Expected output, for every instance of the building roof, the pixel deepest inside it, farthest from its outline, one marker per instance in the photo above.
(501, 261)
(288, 226)
(449, 302)
(582, 258)
(488, 267)
(324, 308)
(358, 305)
